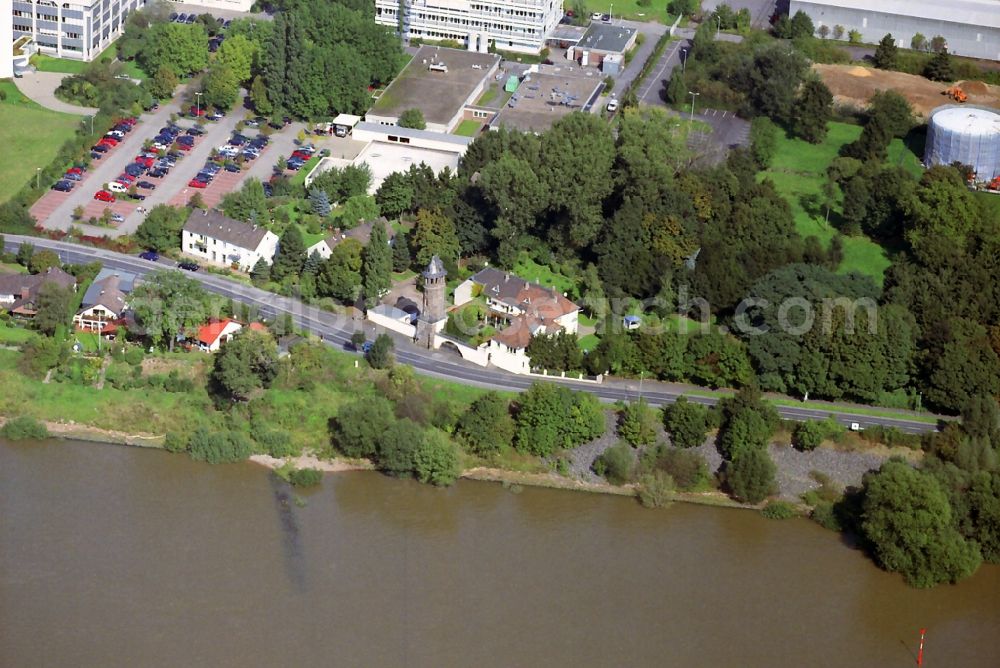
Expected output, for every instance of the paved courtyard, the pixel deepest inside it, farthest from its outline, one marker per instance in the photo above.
(41, 87)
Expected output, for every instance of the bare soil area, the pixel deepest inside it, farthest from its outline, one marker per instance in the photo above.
(854, 85)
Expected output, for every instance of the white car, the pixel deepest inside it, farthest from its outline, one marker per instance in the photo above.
(613, 106)
(116, 187)
(596, 16)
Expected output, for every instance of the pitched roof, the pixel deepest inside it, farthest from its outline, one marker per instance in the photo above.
(213, 224)
(362, 233)
(546, 303)
(518, 333)
(24, 287)
(435, 268)
(209, 334)
(106, 292)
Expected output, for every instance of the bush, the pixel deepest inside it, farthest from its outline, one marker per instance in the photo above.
(807, 435)
(550, 417)
(436, 460)
(688, 469)
(216, 447)
(24, 427)
(656, 490)
(825, 515)
(486, 427)
(750, 476)
(274, 442)
(305, 477)
(778, 510)
(687, 423)
(637, 423)
(175, 442)
(616, 464)
(134, 355)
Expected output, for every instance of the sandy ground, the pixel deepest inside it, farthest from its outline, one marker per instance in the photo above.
(311, 462)
(854, 85)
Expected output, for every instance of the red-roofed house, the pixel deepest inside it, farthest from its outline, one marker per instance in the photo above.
(214, 334)
(258, 327)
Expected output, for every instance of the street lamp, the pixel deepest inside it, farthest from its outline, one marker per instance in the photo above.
(718, 19)
(611, 12)
(684, 60)
(197, 105)
(38, 178)
(693, 96)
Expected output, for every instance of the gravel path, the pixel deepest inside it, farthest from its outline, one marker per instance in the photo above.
(843, 468)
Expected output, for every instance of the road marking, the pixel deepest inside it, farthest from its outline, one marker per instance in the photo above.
(659, 75)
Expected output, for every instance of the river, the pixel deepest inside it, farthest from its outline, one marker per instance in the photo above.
(116, 556)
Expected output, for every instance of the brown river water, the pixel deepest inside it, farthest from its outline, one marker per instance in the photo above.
(115, 556)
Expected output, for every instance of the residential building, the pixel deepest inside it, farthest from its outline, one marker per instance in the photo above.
(507, 25)
(520, 310)
(80, 29)
(971, 27)
(212, 335)
(210, 236)
(19, 292)
(362, 234)
(105, 302)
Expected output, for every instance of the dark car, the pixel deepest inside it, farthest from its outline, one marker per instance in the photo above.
(238, 140)
(191, 19)
(146, 185)
(139, 197)
(188, 265)
(135, 169)
(94, 155)
(195, 131)
(150, 255)
(100, 148)
(181, 18)
(186, 140)
(268, 190)
(215, 116)
(159, 172)
(153, 107)
(72, 176)
(173, 16)
(204, 177)
(63, 186)
(232, 167)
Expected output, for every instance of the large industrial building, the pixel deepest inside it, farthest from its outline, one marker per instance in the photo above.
(971, 27)
(78, 30)
(507, 25)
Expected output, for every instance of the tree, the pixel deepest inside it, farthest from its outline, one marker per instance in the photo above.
(397, 447)
(687, 423)
(412, 118)
(812, 111)
(769, 80)
(166, 303)
(940, 68)
(161, 229)
(220, 87)
(434, 234)
(637, 424)
(42, 353)
(854, 37)
(763, 140)
(24, 254)
(401, 259)
(750, 476)
(838, 32)
(886, 54)
(320, 202)
(237, 52)
(356, 210)
(261, 272)
(395, 195)
(380, 355)
(340, 276)
(874, 140)
(550, 417)
(435, 460)
(918, 42)
(823, 31)
(808, 435)
(376, 268)
(959, 363)
(246, 364)
(182, 48)
(895, 109)
(938, 44)
(358, 426)
(486, 427)
(291, 255)
(616, 464)
(258, 96)
(908, 521)
(163, 83)
(44, 260)
(53, 308)
(801, 25)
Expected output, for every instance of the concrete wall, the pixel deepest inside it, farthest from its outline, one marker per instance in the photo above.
(963, 39)
(394, 325)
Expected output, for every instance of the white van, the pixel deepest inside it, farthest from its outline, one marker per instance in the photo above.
(116, 187)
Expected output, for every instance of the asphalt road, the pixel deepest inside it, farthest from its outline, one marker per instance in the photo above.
(336, 330)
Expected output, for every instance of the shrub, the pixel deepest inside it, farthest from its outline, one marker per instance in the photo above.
(637, 423)
(656, 490)
(616, 463)
(175, 442)
(486, 427)
(687, 423)
(275, 442)
(778, 510)
(397, 446)
(687, 468)
(134, 355)
(216, 447)
(436, 460)
(824, 514)
(750, 476)
(807, 435)
(24, 427)
(305, 477)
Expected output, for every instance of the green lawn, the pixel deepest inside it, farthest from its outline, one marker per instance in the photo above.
(799, 170)
(14, 336)
(310, 239)
(20, 121)
(44, 63)
(300, 176)
(468, 128)
(588, 342)
(631, 10)
(530, 270)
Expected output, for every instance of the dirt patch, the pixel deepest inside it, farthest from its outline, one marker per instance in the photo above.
(854, 85)
(164, 365)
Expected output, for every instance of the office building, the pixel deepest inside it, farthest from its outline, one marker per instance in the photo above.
(80, 30)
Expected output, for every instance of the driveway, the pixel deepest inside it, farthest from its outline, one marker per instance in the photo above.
(41, 87)
(652, 32)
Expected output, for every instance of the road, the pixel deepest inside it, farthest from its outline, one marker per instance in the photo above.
(336, 329)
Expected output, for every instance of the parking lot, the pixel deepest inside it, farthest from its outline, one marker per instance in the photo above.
(55, 209)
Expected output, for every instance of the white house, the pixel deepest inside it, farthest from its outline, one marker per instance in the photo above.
(362, 233)
(208, 235)
(214, 334)
(105, 301)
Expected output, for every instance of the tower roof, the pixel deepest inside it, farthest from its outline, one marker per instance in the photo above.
(435, 269)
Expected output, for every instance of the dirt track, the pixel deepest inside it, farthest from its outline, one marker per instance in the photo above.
(853, 84)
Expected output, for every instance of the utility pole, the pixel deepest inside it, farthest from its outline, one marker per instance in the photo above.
(693, 96)
(719, 29)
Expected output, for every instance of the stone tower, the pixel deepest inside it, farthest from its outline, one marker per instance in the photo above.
(432, 315)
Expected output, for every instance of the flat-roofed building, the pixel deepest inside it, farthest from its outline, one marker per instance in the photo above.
(508, 25)
(971, 27)
(80, 30)
(602, 40)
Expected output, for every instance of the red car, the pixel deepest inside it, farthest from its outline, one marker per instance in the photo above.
(127, 121)
(145, 161)
(197, 111)
(104, 196)
(75, 170)
(302, 155)
(195, 183)
(185, 147)
(109, 140)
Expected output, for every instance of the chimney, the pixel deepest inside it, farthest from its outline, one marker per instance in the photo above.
(25, 293)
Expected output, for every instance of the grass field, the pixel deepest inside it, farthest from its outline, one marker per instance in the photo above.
(44, 63)
(631, 10)
(799, 170)
(30, 133)
(468, 128)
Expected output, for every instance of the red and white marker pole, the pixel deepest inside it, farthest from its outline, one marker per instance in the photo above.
(920, 652)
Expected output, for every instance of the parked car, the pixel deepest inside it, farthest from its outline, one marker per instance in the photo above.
(109, 140)
(115, 134)
(146, 185)
(63, 186)
(94, 155)
(188, 265)
(216, 115)
(180, 18)
(613, 106)
(232, 167)
(150, 255)
(196, 110)
(185, 147)
(190, 19)
(195, 183)
(68, 176)
(195, 131)
(104, 196)
(100, 148)
(251, 123)
(159, 172)
(138, 197)
(76, 169)
(118, 218)
(135, 169)
(268, 190)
